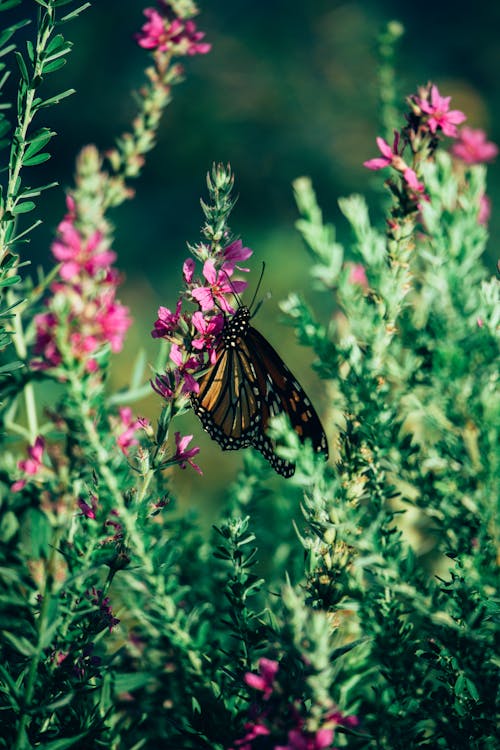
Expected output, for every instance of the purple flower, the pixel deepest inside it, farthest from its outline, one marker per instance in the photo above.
(472, 147)
(208, 330)
(220, 285)
(264, 681)
(167, 321)
(183, 455)
(440, 115)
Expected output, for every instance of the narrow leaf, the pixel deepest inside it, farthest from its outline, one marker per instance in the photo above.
(38, 159)
(23, 208)
(54, 99)
(19, 643)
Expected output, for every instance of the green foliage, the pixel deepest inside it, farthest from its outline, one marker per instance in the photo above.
(359, 596)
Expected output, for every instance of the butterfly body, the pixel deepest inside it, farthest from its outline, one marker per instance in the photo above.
(248, 384)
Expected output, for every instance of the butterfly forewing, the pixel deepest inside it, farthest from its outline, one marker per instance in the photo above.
(248, 384)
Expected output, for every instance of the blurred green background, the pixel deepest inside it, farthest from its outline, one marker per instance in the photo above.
(289, 88)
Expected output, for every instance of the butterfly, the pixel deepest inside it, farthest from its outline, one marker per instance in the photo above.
(248, 384)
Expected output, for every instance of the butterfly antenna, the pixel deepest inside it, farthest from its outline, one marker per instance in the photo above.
(257, 290)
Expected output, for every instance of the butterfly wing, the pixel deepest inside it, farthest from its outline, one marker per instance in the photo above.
(228, 402)
(281, 392)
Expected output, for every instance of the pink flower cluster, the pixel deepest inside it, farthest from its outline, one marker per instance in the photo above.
(472, 147)
(31, 465)
(165, 32)
(83, 313)
(277, 720)
(430, 115)
(194, 335)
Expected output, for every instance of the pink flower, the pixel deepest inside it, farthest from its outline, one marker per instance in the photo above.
(357, 275)
(234, 253)
(77, 254)
(297, 740)
(45, 345)
(484, 210)
(182, 455)
(388, 154)
(164, 385)
(440, 115)
(220, 285)
(177, 36)
(254, 730)
(185, 369)
(188, 270)
(208, 330)
(472, 146)
(114, 321)
(264, 681)
(412, 180)
(89, 511)
(167, 321)
(392, 158)
(127, 438)
(31, 465)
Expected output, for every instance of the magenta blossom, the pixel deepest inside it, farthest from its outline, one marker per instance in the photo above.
(127, 437)
(299, 740)
(484, 214)
(177, 36)
(167, 321)
(357, 275)
(89, 511)
(183, 455)
(78, 254)
(235, 253)
(188, 270)
(31, 465)
(254, 730)
(472, 146)
(220, 285)
(392, 158)
(185, 369)
(389, 155)
(264, 681)
(208, 331)
(440, 115)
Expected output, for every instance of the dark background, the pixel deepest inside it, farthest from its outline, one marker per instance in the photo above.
(289, 88)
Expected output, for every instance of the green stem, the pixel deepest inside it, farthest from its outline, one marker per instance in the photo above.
(24, 120)
(21, 739)
(29, 391)
(105, 472)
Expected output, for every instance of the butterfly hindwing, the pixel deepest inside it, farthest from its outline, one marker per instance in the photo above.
(247, 386)
(282, 393)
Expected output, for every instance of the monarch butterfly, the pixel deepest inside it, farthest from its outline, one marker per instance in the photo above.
(248, 384)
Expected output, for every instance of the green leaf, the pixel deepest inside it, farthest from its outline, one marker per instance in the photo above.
(62, 744)
(38, 159)
(56, 44)
(19, 643)
(8, 4)
(130, 681)
(32, 192)
(54, 99)
(22, 67)
(56, 64)
(23, 208)
(75, 13)
(11, 366)
(9, 281)
(7, 33)
(38, 141)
